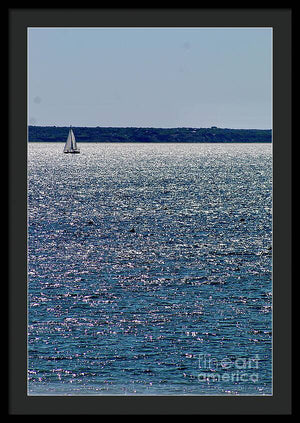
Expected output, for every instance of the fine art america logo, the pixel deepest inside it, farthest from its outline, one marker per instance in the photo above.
(239, 369)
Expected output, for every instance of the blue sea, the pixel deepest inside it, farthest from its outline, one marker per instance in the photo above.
(150, 269)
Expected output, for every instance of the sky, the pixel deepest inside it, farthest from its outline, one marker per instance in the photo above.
(150, 77)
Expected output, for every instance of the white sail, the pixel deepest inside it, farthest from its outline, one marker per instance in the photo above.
(71, 145)
(73, 140)
(68, 145)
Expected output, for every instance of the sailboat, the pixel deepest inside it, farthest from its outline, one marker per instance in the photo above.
(71, 145)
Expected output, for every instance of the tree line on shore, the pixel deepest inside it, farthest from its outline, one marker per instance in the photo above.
(132, 134)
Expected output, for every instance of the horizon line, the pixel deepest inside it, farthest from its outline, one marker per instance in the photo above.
(153, 127)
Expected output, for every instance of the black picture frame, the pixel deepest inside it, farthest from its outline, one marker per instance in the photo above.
(19, 19)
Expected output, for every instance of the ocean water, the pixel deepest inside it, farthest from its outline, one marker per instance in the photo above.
(150, 269)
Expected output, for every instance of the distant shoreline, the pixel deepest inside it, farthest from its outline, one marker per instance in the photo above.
(149, 135)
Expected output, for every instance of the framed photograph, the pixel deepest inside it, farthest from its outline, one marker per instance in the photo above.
(150, 211)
